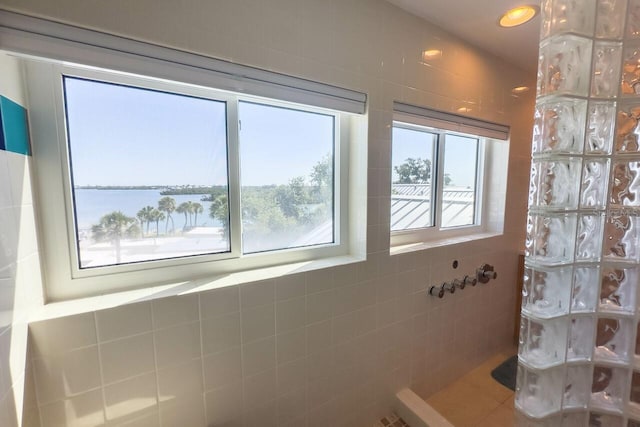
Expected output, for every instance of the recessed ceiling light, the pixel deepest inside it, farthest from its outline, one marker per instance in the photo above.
(431, 54)
(520, 89)
(518, 16)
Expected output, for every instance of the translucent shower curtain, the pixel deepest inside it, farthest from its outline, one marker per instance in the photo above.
(579, 355)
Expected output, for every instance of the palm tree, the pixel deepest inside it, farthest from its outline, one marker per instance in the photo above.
(167, 204)
(219, 210)
(197, 209)
(143, 216)
(113, 227)
(184, 208)
(156, 216)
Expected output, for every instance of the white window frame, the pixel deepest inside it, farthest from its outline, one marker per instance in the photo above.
(442, 124)
(65, 278)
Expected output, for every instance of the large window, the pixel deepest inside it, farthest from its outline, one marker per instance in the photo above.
(438, 176)
(158, 175)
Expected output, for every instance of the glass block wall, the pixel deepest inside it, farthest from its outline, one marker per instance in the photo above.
(579, 354)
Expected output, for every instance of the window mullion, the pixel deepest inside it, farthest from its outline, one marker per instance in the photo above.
(441, 147)
(233, 147)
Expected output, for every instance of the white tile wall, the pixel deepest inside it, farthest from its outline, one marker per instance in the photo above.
(319, 347)
(20, 279)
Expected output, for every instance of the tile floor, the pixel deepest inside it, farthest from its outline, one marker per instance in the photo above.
(476, 399)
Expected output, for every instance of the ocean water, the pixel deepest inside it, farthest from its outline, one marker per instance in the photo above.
(92, 204)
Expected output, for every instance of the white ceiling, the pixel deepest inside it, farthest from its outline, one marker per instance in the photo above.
(476, 21)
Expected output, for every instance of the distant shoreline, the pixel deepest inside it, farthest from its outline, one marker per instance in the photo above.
(164, 190)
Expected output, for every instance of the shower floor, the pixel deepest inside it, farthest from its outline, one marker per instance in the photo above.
(476, 399)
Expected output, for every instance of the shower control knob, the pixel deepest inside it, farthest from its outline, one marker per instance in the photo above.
(436, 291)
(459, 283)
(485, 273)
(449, 287)
(470, 280)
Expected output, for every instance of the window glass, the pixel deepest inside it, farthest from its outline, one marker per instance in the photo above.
(459, 181)
(412, 186)
(148, 171)
(286, 174)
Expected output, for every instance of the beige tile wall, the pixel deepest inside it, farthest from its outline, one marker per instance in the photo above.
(324, 346)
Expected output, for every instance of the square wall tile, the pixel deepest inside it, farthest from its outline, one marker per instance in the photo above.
(63, 334)
(175, 311)
(83, 410)
(67, 375)
(131, 398)
(128, 357)
(178, 344)
(180, 380)
(123, 321)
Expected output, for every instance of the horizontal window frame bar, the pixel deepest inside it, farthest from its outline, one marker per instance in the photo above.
(443, 120)
(44, 38)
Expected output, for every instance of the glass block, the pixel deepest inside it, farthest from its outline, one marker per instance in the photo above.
(605, 420)
(606, 69)
(576, 388)
(600, 129)
(575, 419)
(571, 16)
(610, 17)
(633, 20)
(618, 289)
(558, 182)
(586, 286)
(631, 72)
(551, 238)
(589, 237)
(627, 129)
(565, 66)
(613, 339)
(540, 392)
(522, 421)
(625, 185)
(546, 291)
(543, 341)
(534, 180)
(595, 177)
(634, 392)
(581, 333)
(621, 237)
(637, 348)
(608, 389)
(560, 125)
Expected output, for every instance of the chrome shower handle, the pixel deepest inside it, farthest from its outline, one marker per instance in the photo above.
(470, 280)
(437, 291)
(485, 273)
(449, 286)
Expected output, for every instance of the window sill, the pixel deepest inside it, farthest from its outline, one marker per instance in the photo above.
(85, 305)
(439, 243)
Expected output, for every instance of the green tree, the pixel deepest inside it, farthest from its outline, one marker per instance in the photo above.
(156, 216)
(113, 227)
(413, 171)
(293, 198)
(143, 216)
(186, 208)
(197, 209)
(219, 210)
(167, 204)
(321, 178)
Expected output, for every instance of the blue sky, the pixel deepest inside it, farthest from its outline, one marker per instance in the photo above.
(127, 136)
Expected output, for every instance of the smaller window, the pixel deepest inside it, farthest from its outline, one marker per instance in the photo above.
(438, 178)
